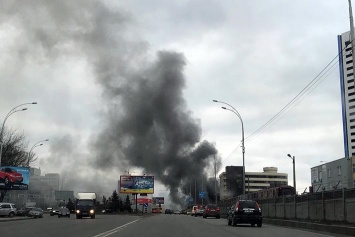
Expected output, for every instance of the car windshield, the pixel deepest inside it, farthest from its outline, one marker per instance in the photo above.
(247, 204)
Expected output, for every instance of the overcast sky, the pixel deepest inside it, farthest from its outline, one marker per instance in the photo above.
(255, 55)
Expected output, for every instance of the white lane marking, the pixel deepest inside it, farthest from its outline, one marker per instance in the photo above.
(110, 232)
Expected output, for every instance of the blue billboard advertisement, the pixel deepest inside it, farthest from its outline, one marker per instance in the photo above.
(158, 200)
(136, 184)
(14, 178)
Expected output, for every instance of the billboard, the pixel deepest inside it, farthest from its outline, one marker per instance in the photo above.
(158, 200)
(14, 178)
(136, 184)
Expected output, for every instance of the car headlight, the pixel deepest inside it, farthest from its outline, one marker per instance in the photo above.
(78, 211)
(92, 211)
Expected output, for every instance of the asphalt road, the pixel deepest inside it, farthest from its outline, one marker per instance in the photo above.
(159, 225)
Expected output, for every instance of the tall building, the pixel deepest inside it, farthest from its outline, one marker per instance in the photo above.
(347, 86)
(347, 92)
(231, 182)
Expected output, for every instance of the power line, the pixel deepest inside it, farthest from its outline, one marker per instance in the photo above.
(310, 87)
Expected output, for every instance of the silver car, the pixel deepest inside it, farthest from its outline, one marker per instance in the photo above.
(8, 209)
(35, 213)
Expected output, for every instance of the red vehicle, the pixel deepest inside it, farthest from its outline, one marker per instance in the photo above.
(9, 175)
(211, 210)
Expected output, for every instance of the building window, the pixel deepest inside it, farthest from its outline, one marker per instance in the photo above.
(339, 170)
(351, 94)
(320, 176)
(350, 88)
(351, 80)
(328, 173)
(353, 168)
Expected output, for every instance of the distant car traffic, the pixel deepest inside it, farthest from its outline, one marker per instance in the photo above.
(24, 211)
(9, 176)
(168, 211)
(35, 213)
(199, 211)
(63, 212)
(53, 212)
(7, 209)
(177, 212)
(245, 212)
(211, 210)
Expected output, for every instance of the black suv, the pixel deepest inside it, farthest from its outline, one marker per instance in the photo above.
(245, 212)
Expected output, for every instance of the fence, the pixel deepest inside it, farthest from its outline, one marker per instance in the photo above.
(337, 205)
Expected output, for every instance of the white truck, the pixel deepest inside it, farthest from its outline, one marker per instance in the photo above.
(85, 205)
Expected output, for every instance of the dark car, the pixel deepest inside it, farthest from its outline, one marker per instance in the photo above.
(211, 210)
(53, 212)
(63, 212)
(245, 212)
(35, 213)
(168, 211)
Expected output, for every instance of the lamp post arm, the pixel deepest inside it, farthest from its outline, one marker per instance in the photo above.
(241, 120)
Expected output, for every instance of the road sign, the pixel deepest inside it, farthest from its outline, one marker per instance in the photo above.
(202, 195)
(145, 204)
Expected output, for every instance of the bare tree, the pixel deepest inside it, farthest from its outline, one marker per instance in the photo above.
(14, 151)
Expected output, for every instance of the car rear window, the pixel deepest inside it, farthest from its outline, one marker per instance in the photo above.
(247, 204)
(211, 206)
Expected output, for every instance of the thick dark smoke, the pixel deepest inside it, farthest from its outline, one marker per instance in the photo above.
(146, 122)
(152, 128)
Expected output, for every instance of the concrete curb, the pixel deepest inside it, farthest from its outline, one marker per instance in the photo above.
(6, 219)
(338, 229)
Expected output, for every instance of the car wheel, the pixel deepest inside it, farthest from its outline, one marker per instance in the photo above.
(7, 182)
(218, 217)
(11, 214)
(204, 216)
(253, 224)
(260, 224)
(234, 222)
(58, 216)
(229, 221)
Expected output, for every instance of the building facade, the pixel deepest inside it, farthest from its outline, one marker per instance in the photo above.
(347, 93)
(333, 175)
(231, 182)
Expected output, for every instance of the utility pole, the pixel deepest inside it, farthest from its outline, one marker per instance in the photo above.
(215, 180)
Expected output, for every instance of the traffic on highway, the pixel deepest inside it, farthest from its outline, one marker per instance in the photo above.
(157, 225)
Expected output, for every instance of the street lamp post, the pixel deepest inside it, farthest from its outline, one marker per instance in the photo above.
(215, 180)
(294, 170)
(243, 147)
(11, 112)
(37, 144)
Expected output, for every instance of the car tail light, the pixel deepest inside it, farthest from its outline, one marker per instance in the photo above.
(217, 208)
(257, 206)
(237, 207)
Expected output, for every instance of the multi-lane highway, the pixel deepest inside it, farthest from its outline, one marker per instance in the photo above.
(159, 225)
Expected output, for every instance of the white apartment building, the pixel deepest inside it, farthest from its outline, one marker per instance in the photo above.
(255, 181)
(347, 93)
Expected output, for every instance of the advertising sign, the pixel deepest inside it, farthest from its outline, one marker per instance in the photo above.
(143, 200)
(14, 178)
(136, 184)
(158, 200)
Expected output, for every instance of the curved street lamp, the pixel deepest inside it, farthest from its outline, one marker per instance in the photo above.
(37, 144)
(11, 112)
(235, 111)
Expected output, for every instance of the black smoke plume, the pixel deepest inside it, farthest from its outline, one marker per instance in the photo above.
(145, 121)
